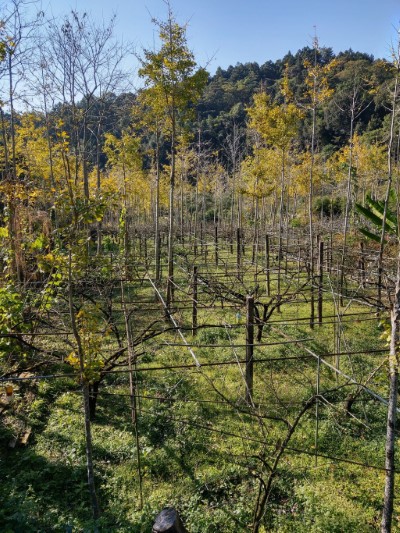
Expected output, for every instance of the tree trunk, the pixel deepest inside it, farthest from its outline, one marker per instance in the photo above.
(93, 395)
(86, 401)
(348, 202)
(89, 457)
(157, 214)
(170, 281)
(386, 524)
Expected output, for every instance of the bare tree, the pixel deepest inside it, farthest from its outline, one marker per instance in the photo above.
(17, 40)
(84, 64)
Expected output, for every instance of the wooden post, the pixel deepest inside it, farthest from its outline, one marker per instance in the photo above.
(317, 409)
(267, 265)
(362, 265)
(158, 258)
(201, 238)
(145, 252)
(194, 296)
(238, 252)
(253, 250)
(216, 244)
(168, 521)
(249, 347)
(287, 248)
(320, 280)
(298, 260)
(136, 244)
(278, 281)
(254, 259)
(310, 269)
(379, 295)
(160, 266)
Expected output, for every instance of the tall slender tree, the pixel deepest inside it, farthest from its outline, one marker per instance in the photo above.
(317, 92)
(176, 84)
(277, 126)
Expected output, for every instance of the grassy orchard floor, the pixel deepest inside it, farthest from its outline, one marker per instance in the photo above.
(198, 452)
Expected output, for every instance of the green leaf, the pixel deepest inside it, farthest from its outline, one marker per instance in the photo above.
(368, 214)
(376, 218)
(379, 209)
(370, 235)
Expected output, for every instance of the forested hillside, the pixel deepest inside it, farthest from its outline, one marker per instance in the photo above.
(200, 285)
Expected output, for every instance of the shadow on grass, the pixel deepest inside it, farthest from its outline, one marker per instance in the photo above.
(40, 495)
(36, 493)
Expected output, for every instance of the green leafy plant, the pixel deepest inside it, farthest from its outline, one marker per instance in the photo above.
(374, 212)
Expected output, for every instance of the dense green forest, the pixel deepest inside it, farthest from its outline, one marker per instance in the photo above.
(200, 285)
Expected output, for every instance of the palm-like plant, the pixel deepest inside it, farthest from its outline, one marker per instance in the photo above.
(374, 212)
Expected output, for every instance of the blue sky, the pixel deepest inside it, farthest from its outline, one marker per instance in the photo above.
(223, 32)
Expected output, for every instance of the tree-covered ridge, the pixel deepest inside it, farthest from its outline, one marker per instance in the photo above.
(230, 91)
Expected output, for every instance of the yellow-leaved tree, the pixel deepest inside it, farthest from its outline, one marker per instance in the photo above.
(277, 127)
(125, 171)
(174, 83)
(317, 92)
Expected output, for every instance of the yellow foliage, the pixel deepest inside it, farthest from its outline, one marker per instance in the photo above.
(88, 321)
(369, 162)
(211, 178)
(300, 173)
(277, 125)
(318, 90)
(285, 86)
(124, 152)
(32, 149)
(186, 162)
(261, 173)
(108, 184)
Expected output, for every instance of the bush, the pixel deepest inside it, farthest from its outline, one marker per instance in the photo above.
(329, 206)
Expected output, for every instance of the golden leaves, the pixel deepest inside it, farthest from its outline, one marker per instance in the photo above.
(277, 124)
(318, 89)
